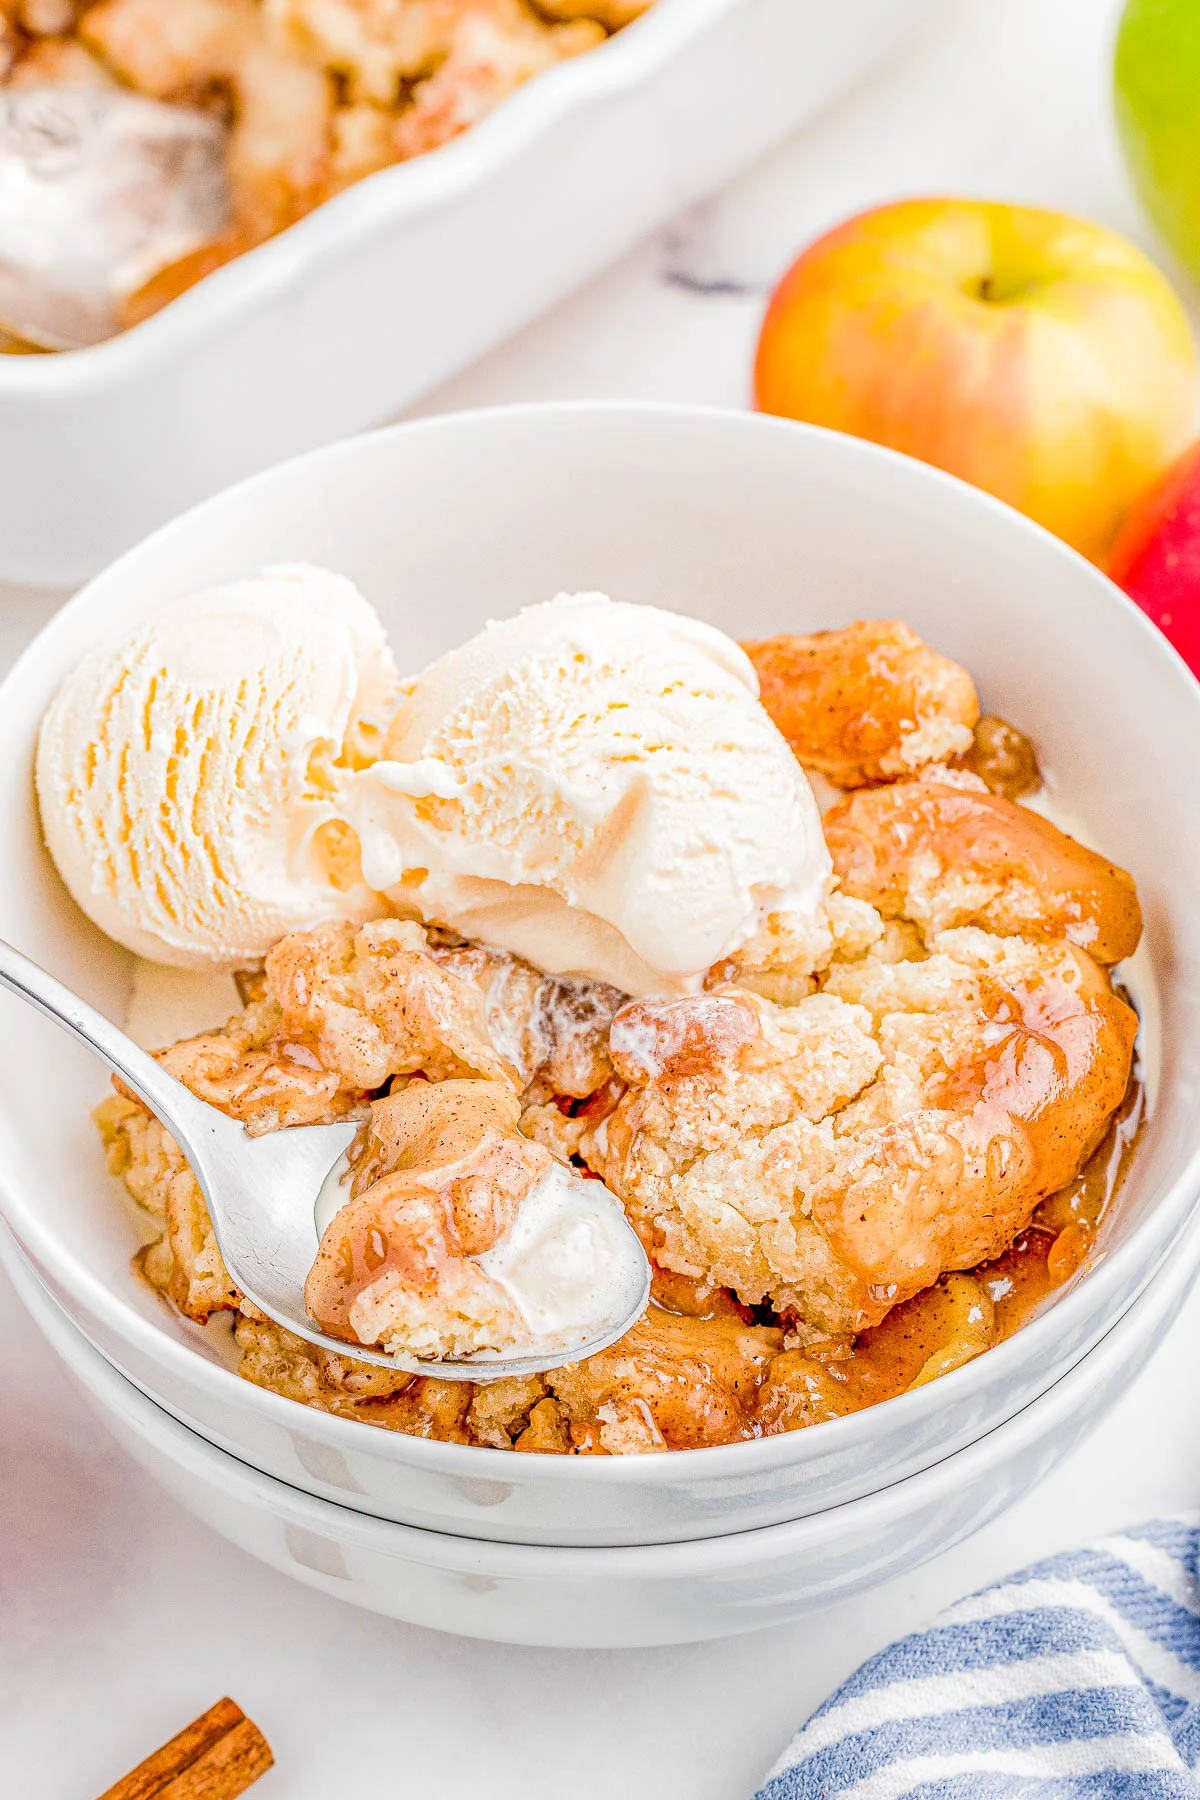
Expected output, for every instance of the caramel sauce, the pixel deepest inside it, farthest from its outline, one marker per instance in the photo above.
(1058, 1056)
(1062, 1237)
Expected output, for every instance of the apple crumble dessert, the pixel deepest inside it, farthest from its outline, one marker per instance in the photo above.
(565, 903)
(316, 94)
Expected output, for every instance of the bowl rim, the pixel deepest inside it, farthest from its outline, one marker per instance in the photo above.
(425, 184)
(689, 1557)
(1106, 1282)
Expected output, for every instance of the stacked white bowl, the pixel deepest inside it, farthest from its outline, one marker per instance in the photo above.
(758, 526)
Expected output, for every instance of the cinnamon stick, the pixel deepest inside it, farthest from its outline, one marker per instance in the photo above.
(216, 1757)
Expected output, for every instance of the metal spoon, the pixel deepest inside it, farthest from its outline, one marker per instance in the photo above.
(261, 1193)
(99, 188)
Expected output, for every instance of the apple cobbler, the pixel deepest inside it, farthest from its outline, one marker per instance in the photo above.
(317, 94)
(858, 1158)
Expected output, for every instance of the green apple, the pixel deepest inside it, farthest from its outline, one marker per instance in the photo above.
(1157, 79)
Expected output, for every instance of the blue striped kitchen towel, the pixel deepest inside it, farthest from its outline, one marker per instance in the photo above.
(1079, 1676)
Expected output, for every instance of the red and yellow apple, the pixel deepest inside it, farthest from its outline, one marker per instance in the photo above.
(1156, 557)
(1038, 356)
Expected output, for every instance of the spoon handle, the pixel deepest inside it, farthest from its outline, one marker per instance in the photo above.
(167, 1098)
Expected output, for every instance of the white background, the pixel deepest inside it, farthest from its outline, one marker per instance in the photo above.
(120, 1618)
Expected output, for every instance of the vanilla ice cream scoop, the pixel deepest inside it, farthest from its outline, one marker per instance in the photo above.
(188, 775)
(594, 786)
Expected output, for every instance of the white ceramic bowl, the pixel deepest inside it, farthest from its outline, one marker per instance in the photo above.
(609, 1598)
(757, 525)
(393, 285)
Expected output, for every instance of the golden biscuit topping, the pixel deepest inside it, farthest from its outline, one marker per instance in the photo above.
(865, 704)
(942, 856)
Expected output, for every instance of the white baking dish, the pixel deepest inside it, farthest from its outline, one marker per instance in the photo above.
(395, 284)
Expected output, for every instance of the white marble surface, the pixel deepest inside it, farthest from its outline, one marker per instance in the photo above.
(120, 1617)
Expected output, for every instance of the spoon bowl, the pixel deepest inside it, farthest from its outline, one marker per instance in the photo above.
(99, 189)
(262, 1193)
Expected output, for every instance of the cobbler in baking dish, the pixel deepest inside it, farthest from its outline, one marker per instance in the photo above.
(858, 1072)
(316, 94)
